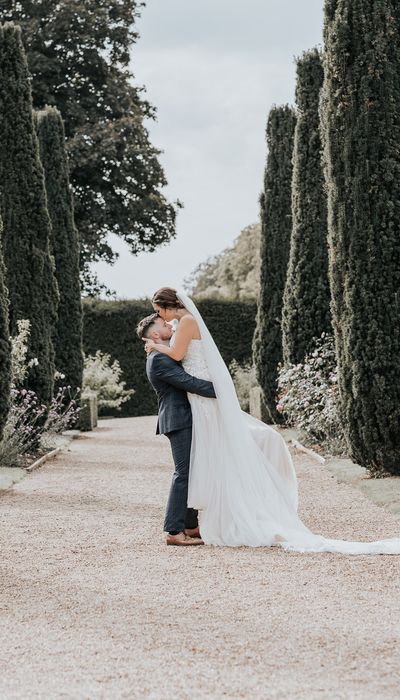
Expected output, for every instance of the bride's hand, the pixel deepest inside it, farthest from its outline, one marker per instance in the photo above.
(149, 346)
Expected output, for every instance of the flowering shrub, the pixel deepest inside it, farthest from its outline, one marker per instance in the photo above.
(244, 379)
(19, 349)
(309, 396)
(104, 377)
(30, 425)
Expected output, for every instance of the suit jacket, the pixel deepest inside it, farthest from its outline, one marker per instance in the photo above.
(170, 382)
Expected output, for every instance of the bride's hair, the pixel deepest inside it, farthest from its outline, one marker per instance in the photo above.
(166, 297)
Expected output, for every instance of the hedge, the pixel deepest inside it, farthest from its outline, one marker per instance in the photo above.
(110, 326)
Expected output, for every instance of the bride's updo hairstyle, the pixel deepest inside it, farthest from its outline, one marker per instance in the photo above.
(166, 298)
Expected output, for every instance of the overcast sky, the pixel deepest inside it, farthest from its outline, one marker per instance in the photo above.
(213, 69)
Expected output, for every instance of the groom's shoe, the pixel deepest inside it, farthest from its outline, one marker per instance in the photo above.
(192, 532)
(182, 540)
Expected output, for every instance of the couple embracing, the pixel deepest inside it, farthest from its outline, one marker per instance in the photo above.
(234, 482)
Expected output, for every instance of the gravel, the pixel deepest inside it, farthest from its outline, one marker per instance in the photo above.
(94, 605)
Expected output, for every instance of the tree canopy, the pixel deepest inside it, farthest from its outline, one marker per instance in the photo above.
(78, 55)
(234, 273)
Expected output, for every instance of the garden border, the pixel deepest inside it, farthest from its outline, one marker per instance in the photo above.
(68, 436)
(44, 458)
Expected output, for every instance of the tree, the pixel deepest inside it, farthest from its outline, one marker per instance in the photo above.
(78, 55)
(276, 224)
(27, 229)
(5, 345)
(234, 273)
(361, 130)
(306, 301)
(65, 246)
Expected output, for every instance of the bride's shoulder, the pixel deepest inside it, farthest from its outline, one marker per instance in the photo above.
(188, 319)
(189, 324)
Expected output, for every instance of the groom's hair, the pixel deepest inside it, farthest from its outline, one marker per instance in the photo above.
(143, 326)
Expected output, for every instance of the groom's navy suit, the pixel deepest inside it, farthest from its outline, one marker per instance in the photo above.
(171, 384)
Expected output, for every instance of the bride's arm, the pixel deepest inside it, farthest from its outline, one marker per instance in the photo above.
(185, 332)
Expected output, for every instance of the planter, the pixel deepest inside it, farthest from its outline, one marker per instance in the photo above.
(257, 405)
(88, 414)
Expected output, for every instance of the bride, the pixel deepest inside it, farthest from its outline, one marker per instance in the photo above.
(242, 478)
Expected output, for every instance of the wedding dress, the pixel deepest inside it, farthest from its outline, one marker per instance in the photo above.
(242, 478)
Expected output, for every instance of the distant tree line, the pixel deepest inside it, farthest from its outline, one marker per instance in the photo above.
(234, 273)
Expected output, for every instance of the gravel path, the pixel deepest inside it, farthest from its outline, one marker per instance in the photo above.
(94, 605)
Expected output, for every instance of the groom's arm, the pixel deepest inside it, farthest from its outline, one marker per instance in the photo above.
(173, 373)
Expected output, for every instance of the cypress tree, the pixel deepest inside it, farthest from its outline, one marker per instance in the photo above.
(306, 301)
(27, 229)
(65, 246)
(361, 130)
(276, 224)
(5, 347)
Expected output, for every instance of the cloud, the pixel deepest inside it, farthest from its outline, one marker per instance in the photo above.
(213, 69)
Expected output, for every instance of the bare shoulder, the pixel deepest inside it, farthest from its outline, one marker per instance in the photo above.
(188, 320)
(189, 324)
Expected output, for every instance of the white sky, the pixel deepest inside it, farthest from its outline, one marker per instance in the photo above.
(213, 69)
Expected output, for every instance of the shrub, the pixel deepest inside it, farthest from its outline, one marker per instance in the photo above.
(103, 376)
(31, 424)
(309, 396)
(276, 226)
(67, 337)
(360, 115)
(26, 238)
(19, 350)
(306, 311)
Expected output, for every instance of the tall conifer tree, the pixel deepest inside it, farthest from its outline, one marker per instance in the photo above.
(27, 230)
(306, 304)
(5, 348)
(361, 130)
(65, 245)
(276, 222)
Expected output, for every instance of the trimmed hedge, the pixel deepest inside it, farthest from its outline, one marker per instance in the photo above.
(110, 326)
(360, 117)
(26, 237)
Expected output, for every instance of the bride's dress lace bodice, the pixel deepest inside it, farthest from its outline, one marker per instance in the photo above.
(194, 361)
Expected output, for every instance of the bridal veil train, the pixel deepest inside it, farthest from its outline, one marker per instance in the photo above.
(242, 478)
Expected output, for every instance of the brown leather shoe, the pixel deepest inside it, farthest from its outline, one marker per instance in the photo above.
(182, 540)
(192, 532)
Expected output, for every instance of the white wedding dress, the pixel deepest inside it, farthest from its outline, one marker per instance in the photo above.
(242, 478)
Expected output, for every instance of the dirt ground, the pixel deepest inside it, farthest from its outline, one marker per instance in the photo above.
(94, 605)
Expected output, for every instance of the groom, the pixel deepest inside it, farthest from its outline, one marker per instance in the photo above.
(171, 384)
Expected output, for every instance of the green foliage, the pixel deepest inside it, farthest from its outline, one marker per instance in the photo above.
(306, 301)
(103, 376)
(361, 130)
(5, 346)
(31, 425)
(20, 365)
(65, 247)
(27, 229)
(234, 273)
(276, 223)
(110, 326)
(309, 396)
(78, 54)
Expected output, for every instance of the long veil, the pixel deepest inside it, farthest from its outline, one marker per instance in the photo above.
(256, 485)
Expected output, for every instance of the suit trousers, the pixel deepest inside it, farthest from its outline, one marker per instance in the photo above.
(178, 515)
